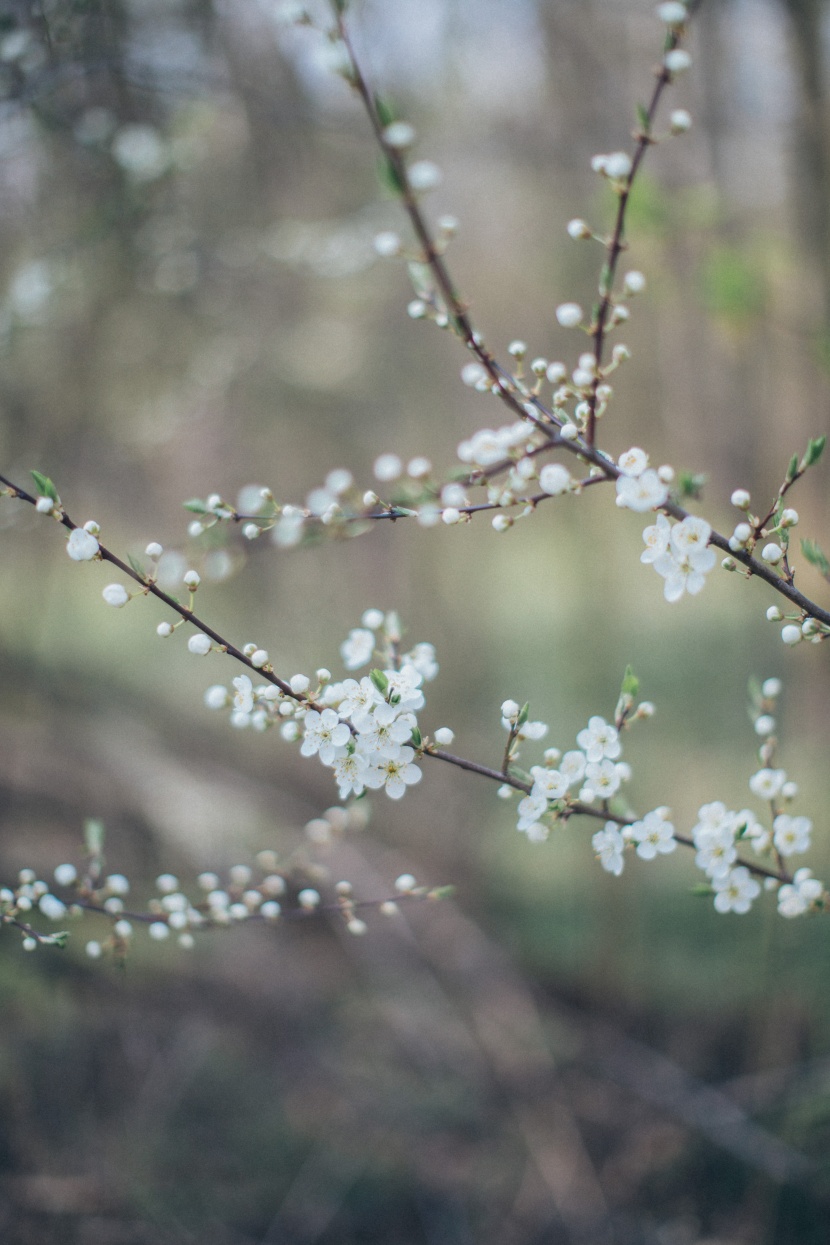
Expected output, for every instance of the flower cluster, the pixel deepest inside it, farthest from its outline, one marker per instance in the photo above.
(721, 833)
(680, 553)
(592, 771)
(365, 730)
(268, 891)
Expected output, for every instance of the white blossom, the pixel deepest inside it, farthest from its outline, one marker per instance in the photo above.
(599, 739)
(324, 734)
(791, 835)
(609, 845)
(653, 835)
(799, 896)
(115, 595)
(735, 891)
(81, 546)
(358, 648)
(643, 492)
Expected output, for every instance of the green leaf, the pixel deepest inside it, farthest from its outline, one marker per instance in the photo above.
(630, 684)
(94, 836)
(701, 889)
(441, 892)
(386, 110)
(136, 565)
(389, 178)
(45, 487)
(523, 714)
(642, 117)
(605, 280)
(57, 940)
(815, 449)
(690, 485)
(816, 557)
(195, 506)
(792, 470)
(417, 739)
(380, 680)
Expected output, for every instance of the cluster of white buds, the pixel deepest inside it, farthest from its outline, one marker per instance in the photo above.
(263, 891)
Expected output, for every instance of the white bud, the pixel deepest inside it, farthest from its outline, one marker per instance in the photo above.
(672, 13)
(789, 518)
(791, 634)
(444, 736)
(569, 315)
(556, 373)
(741, 499)
(387, 244)
(774, 614)
(164, 629)
(451, 515)
(680, 121)
(405, 883)
(154, 550)
(418, 468)
(388, 467)
(199, 644)
(510, 710)
(634, 283)
(677, 60)
(192, 579)
(502, 522)
(772, 554)
(424, 175)
(259, 658)
(578, 229)
(94, 950)
(771, 688)
(44, 505)
(65, 875)
(617, 166)
(299, 684)
(159, 930)
(308, 898)
(115, 595)
(400, 135)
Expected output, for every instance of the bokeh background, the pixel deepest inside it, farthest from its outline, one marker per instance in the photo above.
(190, 302)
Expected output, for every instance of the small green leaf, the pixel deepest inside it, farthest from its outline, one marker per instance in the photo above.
(136, 565)
(815, 449)
(389, 177)
(701, 889)
(605, 280)
(816, 557)
(792, 470)
(523, 714)
(441, 892)
(417, 738)
(195, 506)
(45, 487)
(57, 940)
(642, 117)
(380, 680)
(630, 684)
(386, 110)
(94, 836)
(690, 485)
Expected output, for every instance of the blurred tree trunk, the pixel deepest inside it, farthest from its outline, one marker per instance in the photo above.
(812, 172)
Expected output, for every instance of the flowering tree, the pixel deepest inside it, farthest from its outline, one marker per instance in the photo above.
(370, 730)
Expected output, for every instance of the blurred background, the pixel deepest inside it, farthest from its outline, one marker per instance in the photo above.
(190, 302)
